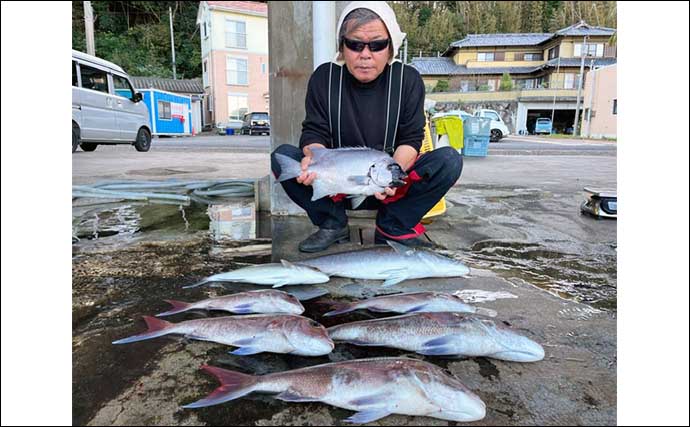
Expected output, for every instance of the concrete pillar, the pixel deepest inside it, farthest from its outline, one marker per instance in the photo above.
(290, 44)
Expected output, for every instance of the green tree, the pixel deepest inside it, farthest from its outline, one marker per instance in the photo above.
(506, 82)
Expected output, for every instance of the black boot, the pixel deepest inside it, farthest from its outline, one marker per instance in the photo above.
(414, 242)
(324, 238)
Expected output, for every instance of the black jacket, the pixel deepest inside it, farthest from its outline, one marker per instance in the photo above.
(363, 110)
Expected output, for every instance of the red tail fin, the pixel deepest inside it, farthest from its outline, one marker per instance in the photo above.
(156, 328)
(178, 307)
(232, 386)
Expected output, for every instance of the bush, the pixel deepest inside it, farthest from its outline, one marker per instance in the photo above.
(506, 82)
(441, 86)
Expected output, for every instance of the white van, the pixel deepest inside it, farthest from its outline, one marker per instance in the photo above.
(498, 127)
(105, 107)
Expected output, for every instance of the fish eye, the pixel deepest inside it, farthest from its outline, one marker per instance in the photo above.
(313, 324)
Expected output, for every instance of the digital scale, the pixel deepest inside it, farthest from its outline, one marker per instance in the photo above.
(600, 203)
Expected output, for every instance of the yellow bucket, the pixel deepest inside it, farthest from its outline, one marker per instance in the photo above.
(440, 207)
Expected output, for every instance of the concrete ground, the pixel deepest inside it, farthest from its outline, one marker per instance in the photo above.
(514, 219)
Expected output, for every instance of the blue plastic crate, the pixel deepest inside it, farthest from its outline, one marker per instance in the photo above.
(476, 126)
(475, 146)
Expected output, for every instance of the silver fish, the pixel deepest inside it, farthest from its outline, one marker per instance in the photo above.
(275, 333)
(375, 388)
(261, 301)
(412, 302)
(357, 172)
(277, 275)
(392, 264)
(441, 334)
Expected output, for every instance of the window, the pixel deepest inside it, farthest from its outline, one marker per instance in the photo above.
(492, 85)
(235, 34)
(204, 31)
(122, 87)
(94, 79)
(589, 49)
(491, 115)
(263, 68)
(237, 106)
(533, 57)
(75, 78)
(205, 74)
(210, 103)
(485, 56)
(236, 71)
(554, 52)
(164, 110)
(464, 86)
(615, 107)
(569, 81)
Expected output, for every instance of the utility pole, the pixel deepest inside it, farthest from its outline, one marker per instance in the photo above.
(591, 98)
(172, 43)
(576, 129)
(88, 27)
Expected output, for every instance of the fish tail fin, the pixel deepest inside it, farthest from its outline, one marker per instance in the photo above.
(197, 284)
(289, 167)
(339, 308)
(156, 328)
(178, 307)
(486, 312)
(233, 385)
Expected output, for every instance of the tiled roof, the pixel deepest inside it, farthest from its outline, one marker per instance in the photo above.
(170, 85)
(584, 29)
(446, 66)
(525, 39)
(244, 6)
(433, 66)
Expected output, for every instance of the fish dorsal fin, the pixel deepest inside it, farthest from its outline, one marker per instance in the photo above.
(287, 264)
(400, 248)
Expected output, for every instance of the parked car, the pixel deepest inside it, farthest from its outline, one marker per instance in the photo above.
(543, 125)
(256, 123)
(498, 127)
(105, 107)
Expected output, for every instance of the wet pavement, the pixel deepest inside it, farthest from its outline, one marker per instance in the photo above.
(548, 270)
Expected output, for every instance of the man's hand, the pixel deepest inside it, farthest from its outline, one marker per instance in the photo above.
(307, 178)
(388, 191)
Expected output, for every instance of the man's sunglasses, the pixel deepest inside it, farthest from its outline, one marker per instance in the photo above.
(358, 46)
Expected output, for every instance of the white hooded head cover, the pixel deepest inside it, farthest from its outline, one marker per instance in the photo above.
(386, 14)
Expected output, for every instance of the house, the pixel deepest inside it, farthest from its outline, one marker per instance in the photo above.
(600, 103)
(234, 55)
(191, 88)
(543, 69)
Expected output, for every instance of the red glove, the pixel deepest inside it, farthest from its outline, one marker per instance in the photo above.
(401, 191)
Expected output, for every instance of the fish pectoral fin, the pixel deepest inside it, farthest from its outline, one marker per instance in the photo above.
(280, 283)
(371, 400)
(246, 342)
(243, 308)
(416, 308)
(357, 200)
(436, 351)
(368, 415)
(358, 179)
(441, 341)
(395, 276)
(245, 351)
(292, 396)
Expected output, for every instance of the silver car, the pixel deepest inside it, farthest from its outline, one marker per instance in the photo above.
(105, 107)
